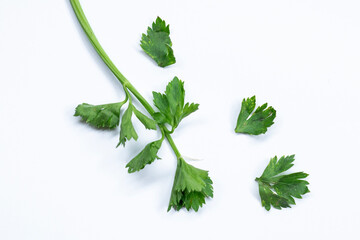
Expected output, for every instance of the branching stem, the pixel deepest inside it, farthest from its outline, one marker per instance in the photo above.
(125, 83)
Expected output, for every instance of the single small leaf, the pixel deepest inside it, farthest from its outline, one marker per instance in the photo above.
(127, 130)
(171, 104)
(258, 122)
(146, 156)
(147, 122)
(191, 187)
(100, 116)
(157, 43)
(279, 190)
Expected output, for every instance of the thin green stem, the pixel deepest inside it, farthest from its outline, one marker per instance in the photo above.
(173, 146)
(128, 96)
(126, 84)
(91, 36)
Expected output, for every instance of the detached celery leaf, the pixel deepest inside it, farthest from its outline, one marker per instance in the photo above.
(258, 122)
(171, 104)
(157, 43)
(191, 187)
(280, 190)
(100, 116)
(146, 156)
(127, 130)
(147, 122)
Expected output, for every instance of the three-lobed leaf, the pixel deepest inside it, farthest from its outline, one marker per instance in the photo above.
(171, 104)
(279, 190)
(100, 116)
(157, 43)
(254, 123)
(191, 187)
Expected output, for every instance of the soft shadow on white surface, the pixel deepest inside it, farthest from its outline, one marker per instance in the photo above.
(62, 179)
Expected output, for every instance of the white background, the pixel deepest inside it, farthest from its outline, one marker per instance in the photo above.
(61, 179)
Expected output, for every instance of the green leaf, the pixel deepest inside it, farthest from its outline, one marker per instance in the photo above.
(157, 43)
(146, 156)
(191, 187)
(188, 109)
(276, 166)
(161, 102)
(147, 122)
(258, 122)
(171, 104)
(175, 94)
(100, 116)
(127, 130)
(268, 198)
(159, 118)
(280, 190)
